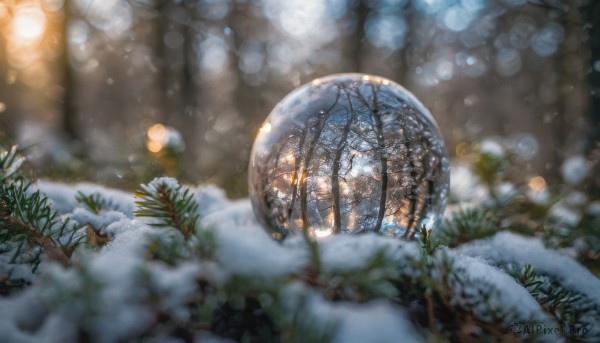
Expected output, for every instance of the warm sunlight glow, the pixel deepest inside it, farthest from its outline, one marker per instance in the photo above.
(276, 235)
(537, 183)
(3, 11)
(25, 30)
(154, 146)
(290, 158)
(266, 128)
(157, 132)
(157, 138)
(322, 233)
(29, 22)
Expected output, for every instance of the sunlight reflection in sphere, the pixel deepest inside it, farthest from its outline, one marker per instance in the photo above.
(349, 153)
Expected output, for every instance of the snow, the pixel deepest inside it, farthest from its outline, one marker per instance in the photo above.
(506, 247)
(376, 322)
(163, 279)
(16, 161)
(594, 208)
(115, 292)
(174, 140)
(465, 186)
(23, 310)
(97, 221)
(346, 252)
(507, 294)
(130, 238)
(14, 271)
(106, 298)
(492, 146)
(10, 333)
(244, 247)
(565, 214)
(63, 199)
(575, 169)
(576, 198)
(538, 197)
(57, 328)
(169, 182)
(210, 199)
(505, 191)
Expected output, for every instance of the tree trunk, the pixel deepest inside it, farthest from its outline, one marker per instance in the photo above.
(593, 19)
(5, 95)
(362, 11)
(188, 91)
(69, 109)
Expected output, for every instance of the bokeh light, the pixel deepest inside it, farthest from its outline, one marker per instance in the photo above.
(213, 69)
(537, 183)
(157, 138)
(29, 22)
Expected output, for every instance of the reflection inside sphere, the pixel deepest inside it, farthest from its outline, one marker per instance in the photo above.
(348, 153)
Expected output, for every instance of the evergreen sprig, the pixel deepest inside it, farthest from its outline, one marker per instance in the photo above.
(94, 202)
(27, 220)
(170, 204)
(467, 225)
(426, 242)
(301, 326)
(168, 246)
(489, 168)
(374, 280)
(10, 162)
(567, 306)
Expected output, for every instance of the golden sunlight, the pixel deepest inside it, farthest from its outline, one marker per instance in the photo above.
(157, 138)
(29, 22)
(266, 128)
(154, 146)
(321, 232)
(537, 183)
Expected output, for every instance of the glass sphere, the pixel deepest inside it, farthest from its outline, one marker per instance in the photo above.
(349, 153)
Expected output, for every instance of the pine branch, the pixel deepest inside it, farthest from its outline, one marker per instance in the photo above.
(565, 305)
(51, 248)
(27, 219)
(10, 163)
(170, 204)
(312, 271)
(168, 246)
(426, 242)
(467, 225)
(94, 202)
(489, 168)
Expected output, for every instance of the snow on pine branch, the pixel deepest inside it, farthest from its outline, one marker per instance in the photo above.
(507, 247)
(152, 281)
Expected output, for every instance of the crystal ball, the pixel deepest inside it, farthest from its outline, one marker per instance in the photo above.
(349, 153)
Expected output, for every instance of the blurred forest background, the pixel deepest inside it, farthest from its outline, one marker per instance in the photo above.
(119, 91)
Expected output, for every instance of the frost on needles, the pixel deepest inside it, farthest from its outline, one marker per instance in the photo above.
(175, 263)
